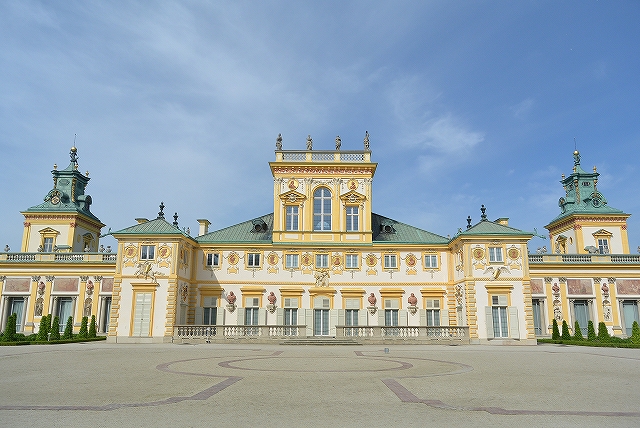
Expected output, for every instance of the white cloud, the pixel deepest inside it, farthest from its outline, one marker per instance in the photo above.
(523, 108)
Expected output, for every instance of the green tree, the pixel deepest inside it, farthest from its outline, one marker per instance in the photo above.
(9, 334)
(43, 331)
(55, 328)
(83, 333)
(68, 329)
(603, 333)
(555, 335)
(565, 331)
(92, 327)
(577, 331)
(635, 333)
(591, 331)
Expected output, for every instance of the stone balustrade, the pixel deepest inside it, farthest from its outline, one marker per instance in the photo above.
(59, 257)
(584, 258)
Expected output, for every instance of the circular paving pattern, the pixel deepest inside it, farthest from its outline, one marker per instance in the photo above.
(316, 364)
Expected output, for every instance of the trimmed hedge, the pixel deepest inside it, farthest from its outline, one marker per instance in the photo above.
(556, 333)
(92, 327)
(61, 341)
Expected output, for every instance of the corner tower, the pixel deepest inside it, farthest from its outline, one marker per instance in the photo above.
(322, 196)
(587, 224)
(63, 222)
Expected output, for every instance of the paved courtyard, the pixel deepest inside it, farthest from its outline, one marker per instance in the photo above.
(100, 384)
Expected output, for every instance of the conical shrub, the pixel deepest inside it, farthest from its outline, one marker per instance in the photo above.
(555, 333)
(83, 333)
(92, 327)
(591, 331)
(68, 329)
(577, 331)
(603, 333)
(55, 328)
(565, 331)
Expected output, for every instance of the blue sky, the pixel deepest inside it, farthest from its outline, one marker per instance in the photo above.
(467, 103)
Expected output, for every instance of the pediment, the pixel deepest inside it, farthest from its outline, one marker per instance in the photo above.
(603, 232)
(48, 231)
(353, 197)
(292, 197)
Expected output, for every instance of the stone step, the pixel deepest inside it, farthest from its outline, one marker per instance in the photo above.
(319, 341)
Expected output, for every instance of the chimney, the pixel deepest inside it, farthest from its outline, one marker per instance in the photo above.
(204, 226)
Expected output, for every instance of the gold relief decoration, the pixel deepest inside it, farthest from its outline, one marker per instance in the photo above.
(411, 260)
(352, 184)
(130, 254)
(293, 184)
(306, 259)
(272, 258)
(336, 260)
(513, 253)
(353, 197)
(478, 253)
(233, 258)
(371, 260)
(164, 252)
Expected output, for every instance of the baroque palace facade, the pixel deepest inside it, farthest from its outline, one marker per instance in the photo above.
(323, 265)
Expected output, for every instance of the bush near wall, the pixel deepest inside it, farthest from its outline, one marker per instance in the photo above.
(602, 339)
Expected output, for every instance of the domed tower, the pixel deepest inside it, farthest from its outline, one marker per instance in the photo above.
(63, 222)
(587, 224)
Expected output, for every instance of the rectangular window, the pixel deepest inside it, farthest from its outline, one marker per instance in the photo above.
(147, 252)
(16, 305)
(581, 312)
(390, 261)
(495, 254)
(253, 259)
(351, 261)
(291, 261)
(433, 312)
(48, 245)
(352, 219)
(292, 216)
(537, 316)
(603, 245)
(209, 316)
(430, 261)
(499, 315)
(322, 261)
(213, 259)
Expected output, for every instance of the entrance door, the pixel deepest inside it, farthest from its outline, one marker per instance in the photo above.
(65, 310)
(630, 314)
(321, 322)
(106, 315)
(537, 317)
(142, 315)
(581, 310)
(16, 306)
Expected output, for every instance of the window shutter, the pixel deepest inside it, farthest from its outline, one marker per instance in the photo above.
(403, 318)
(362, 318)
(502, 300)
(262, 316)
(333, 320)
(199, 319)
(280, 316)
(444, 316)
(423, 317)
(309, 321)
(381, 317)
(240, 316)
(489, 321)
(341, 317)
(514, 325)
(220, 316)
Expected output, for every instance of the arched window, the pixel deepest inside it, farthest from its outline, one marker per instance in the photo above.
(322, 209)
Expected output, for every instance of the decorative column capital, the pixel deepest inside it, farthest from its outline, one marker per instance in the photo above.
(50, 278)
(36, 278)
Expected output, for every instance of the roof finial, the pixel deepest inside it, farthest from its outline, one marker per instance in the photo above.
(279, 142)
(74, 153)
(309, 142)
(484, 213)
(469, 222)
(366, 141)
(175, 219)
(161, 213)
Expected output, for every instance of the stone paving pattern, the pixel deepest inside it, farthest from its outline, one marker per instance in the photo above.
(161, 385)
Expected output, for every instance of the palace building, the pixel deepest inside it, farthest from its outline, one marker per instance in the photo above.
(322, 266)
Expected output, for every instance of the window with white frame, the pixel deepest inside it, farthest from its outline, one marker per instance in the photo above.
(291, 261)
(251, 310)
(352, 219)
(430, 261)
(433, 312)
(209, 310)
(322, 261)
(390, 261)
(290, 315)
(253, 260)
(292, 217)
(147, 252)
(213, 259)
(352, 307)
(603, 245)
(495, 254)
(48, 245)
(351, 261)
(322, 209)
(499, 315)
(391, 308)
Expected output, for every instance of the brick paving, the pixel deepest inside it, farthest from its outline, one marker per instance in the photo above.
(101, 384)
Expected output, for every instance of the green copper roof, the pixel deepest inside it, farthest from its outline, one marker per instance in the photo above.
(242, 232)
(486, 227)
(67, 195)
(581, 193)
(389, 230)
(159, 226)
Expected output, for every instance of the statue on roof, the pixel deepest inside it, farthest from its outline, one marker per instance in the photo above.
(576, 157)
(309, 143)
(279, 142)
(366, 141)
(338, 142)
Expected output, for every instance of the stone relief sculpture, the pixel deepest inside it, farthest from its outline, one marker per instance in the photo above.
(87, 307)
(322, 279)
